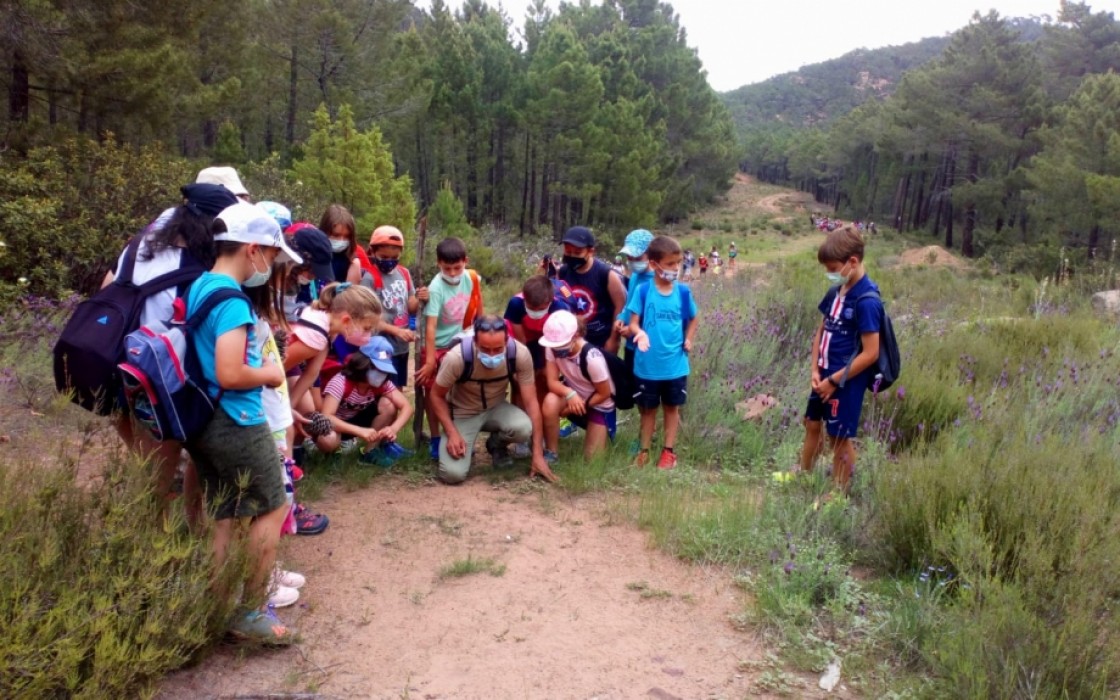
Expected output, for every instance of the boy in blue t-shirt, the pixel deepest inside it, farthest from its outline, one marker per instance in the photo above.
(235, 455)
(849, 333)
(662, 324)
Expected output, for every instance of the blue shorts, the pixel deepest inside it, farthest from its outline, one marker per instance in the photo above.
(842, 411)
(608, 420)
(655, 392)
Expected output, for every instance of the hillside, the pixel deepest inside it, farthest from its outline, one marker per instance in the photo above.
(817, 94)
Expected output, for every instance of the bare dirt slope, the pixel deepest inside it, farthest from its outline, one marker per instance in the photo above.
(581, 608)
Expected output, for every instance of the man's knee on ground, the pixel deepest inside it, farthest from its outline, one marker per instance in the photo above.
(517, 428)
(453, 472)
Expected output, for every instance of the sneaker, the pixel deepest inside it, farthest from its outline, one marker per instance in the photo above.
(282, 596)
(567, 428)
(348, 445)
(520, 450)
(308, 523)
(433, 449)
(394, 450)
(642, 459)
(551, 457)
(499, 454)
(377, 456)
(291, 579)
(668, 460)
(635, 448)
(263, 626)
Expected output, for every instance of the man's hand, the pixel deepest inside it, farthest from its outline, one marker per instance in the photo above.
(576, 406)
(422, 295)
(457, 447)
(540, 468)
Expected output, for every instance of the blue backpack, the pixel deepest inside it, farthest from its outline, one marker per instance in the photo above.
(162, 376)
(889, 365)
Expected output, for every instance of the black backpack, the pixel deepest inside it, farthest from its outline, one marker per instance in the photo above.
(890, 361)
(625, 384)
(92, 342)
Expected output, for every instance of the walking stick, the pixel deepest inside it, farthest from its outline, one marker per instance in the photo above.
(421, 328)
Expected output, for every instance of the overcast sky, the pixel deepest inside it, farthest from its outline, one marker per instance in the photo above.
(747, 41)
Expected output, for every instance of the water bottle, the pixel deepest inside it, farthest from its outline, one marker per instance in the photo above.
(412, 322)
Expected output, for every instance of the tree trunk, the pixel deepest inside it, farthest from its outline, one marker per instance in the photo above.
(293, 96)
(970, 208)
(525, 187)
(950, 179)
(543, 220)
(423, 177)
(1094, 241)
(19, 90)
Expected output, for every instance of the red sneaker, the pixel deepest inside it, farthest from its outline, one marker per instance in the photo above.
(668, 460)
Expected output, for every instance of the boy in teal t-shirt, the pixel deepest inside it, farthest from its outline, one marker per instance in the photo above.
(663, 321)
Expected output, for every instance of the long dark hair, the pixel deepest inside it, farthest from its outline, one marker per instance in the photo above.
(185, 229)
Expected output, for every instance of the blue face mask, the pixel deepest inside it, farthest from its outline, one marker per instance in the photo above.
(561, 353)
(638, 266)
(491, 361)
(387, 266)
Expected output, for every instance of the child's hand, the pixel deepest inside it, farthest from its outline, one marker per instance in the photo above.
(815, 381)
(642, 341)
(422, 295)
(274, 374)
(371, 436)
(388, 434)
(425, 373)
(404, 334)
(825, 389)
(622, 329)
(688, 345)
(576, 406)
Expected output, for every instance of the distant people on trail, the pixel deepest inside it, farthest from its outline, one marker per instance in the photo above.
(732, 253)
(598, 292)
(714, 260)
(470, 396)
(851, 323)
(703, 263)
(688, 265)
(663, 321)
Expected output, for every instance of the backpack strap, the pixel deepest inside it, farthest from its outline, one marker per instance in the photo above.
(216, 297)
(467, 345)
(130, 253)
(474, 306)
(583, 361)
(859, 343)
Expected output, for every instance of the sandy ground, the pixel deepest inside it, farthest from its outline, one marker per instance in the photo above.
(582, 608)
(932, 256)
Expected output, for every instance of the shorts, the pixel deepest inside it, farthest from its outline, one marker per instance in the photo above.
(238, 467)
(609, 420)
(842, 411)
(400, 363)
(440, 352)
(656, 392)
(364, 418)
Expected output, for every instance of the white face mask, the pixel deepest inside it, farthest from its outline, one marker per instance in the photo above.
(258, 278)
(536, 315)
(451, 279)
(339, 246)
(376, 377)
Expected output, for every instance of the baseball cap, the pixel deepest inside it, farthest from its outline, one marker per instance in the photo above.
(223, 175)
(248, 223)
(207, 200)
(559, 330)
(580, 237)
(315, 248)
(380, 353)
(386, 235)
(281, 213)
(637, 242)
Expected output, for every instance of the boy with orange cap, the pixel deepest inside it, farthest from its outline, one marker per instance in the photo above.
(399, 297)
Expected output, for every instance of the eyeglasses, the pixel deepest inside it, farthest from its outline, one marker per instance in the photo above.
(489, 325)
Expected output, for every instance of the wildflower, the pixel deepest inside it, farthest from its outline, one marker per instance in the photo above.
(789, 567)
(901, 393)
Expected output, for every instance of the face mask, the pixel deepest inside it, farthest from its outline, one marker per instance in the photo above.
(561, 353)
(387, 266)
(574, 261)
(357, 337)
(376, 377)
(491, 361)
(838, 277)
(258, 278)
(668, 275)
(451, 279)
(339, 246)
(638, 266)
(536, 315)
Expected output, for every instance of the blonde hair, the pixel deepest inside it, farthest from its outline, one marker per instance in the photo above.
(353, 299)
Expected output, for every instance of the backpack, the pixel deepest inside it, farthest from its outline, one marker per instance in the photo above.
(162, 375)
(625, 383)
(686, 303)
(92, 342)
(467, 343)
(474, 306)
(889, 364)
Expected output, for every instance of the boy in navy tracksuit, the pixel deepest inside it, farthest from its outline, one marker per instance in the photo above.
(851, 325)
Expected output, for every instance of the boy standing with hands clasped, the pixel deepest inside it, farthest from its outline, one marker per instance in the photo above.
(853, 315)
(662, 323)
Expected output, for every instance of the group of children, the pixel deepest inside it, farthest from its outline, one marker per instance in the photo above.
(316, 356)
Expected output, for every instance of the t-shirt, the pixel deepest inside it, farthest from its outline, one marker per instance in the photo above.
(157, 307)
(466, 399)
(244, 406)
(277, 406)
(340, 264)
(448, 303)
(394, 294)
(844, 323)
(661, 320)
(596, 366)
(636, 280)
(592, 299)
(353, 397)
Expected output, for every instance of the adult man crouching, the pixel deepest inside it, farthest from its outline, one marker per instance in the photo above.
(470, 401)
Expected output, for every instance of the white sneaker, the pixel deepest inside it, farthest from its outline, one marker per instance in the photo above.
(289, 579)
(282, 597)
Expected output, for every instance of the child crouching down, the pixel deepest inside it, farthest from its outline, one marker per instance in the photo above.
(584, 399)
(363, 402)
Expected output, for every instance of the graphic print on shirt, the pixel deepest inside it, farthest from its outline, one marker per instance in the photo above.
(395, 297)
(454, 309)
(831, 324)
(583, 303)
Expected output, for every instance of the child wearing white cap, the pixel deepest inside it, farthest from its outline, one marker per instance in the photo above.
(235, 455)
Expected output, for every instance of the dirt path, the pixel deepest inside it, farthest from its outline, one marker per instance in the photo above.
(582, 608)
